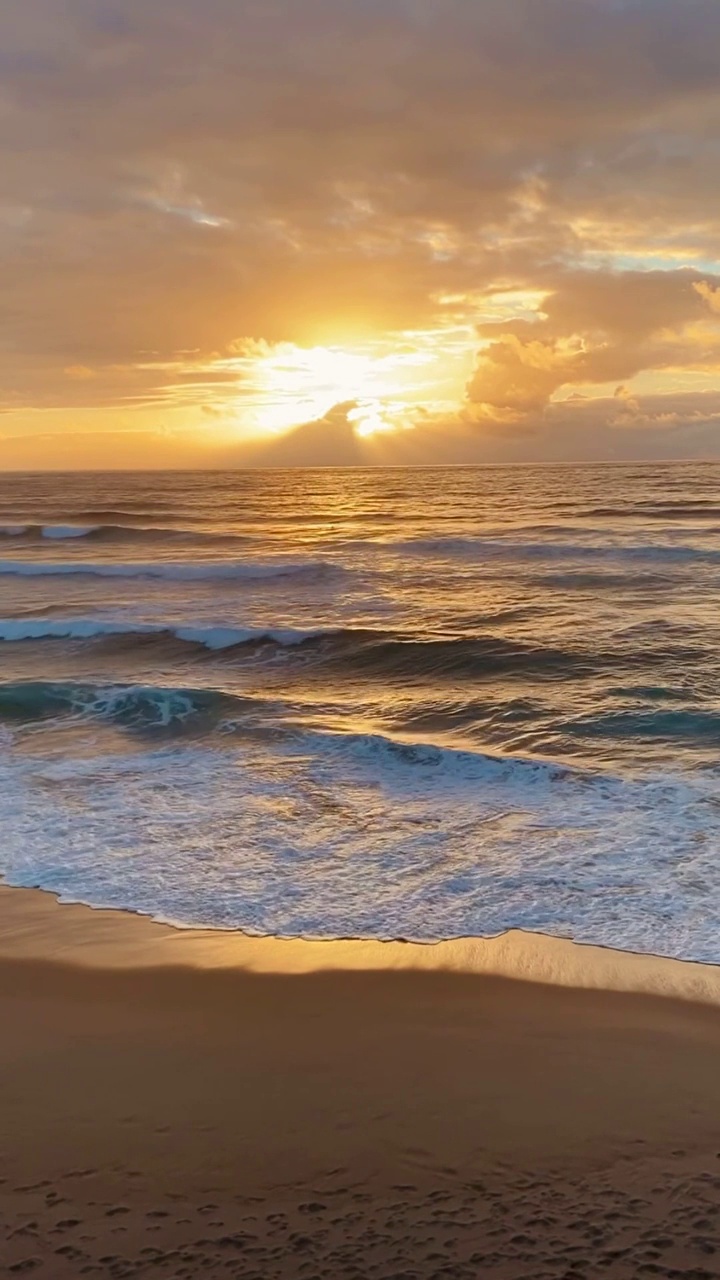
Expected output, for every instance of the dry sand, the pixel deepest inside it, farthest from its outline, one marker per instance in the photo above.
(200, 1105)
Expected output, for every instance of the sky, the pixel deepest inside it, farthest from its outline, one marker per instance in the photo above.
(317, 232)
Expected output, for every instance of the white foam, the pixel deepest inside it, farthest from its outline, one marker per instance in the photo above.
(227, 637)
(13, 530)
(326, 835)
(212, 637)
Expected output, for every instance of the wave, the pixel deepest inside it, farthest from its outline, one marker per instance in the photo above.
(499, 548)
(599, 580)
(168, 515)
(52, 531)
(666, 724)
(169, 707)
(13, 630)
(62, 531)
(139, 706)
(121, 533)
(698, 509)
(457, 763)
(142, 511)
(24, 701)
(349, 650)
(182, 571)
(470, 548)
(406, 656)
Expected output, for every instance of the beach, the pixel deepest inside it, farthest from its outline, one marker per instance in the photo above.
(359, 640)
(185, 1103)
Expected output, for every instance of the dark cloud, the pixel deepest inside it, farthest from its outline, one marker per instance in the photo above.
(330, 441)
(579, 429)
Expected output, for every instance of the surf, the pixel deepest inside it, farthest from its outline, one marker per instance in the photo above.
(176, 571)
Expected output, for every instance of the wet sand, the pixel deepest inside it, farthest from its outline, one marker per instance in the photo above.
(194, 1104)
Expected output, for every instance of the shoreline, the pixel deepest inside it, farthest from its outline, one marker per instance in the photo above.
(183, 1103)
(37, 924)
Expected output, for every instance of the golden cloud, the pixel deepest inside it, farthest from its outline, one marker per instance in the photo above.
(186, 184)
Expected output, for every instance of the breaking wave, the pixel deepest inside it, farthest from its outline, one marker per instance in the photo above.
(364, 653)
(18, 629)
(369, 652)
(25, 701)
(159, 706)
(122, 532)
(315, 833)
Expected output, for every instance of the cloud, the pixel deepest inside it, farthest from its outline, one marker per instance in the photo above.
(93, 450)
(710, 295)
(330, 441)
(186, 175)
(595, 327)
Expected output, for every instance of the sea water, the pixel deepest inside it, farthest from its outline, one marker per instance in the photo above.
(417, 703)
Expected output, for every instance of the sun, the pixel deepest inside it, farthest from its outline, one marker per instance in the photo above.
(368, 419)
(304, 383)
(329, 371)
(292, 384)
(380, 383)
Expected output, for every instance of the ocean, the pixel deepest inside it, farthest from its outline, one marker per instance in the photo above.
(413, 703)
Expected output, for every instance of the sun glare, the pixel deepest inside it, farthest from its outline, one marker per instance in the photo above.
(306, 383)
(368, 419)
(380, 383)
(300, 384)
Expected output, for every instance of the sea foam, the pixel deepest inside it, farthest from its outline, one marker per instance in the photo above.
(14, 630)
(310, 833)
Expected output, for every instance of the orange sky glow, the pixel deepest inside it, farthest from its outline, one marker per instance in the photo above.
(257, 232)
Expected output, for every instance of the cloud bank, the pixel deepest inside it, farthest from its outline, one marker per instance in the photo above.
(519, 196)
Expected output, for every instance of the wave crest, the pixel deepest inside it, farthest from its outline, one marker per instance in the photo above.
(166, 707)
(13, 630)
(371, 654)
(120, 532)
(129, 705)
(180, 571)
(500, 548)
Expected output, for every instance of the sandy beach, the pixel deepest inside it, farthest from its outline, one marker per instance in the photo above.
(197, 1104)
(359, 640)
